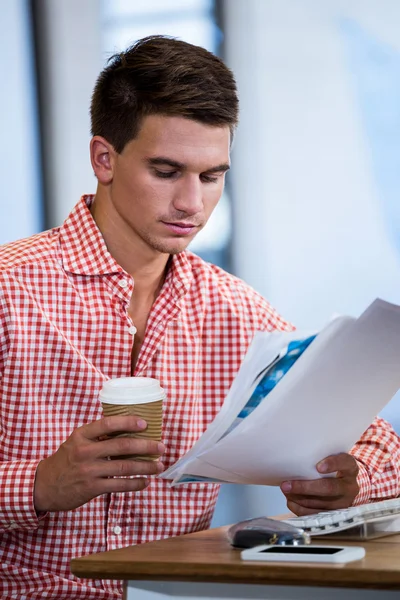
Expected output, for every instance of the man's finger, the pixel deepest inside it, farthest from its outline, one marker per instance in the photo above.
(299, 510)
(109, 425)
(128, 468)
(326, 487)
(115, 485)
(344, 463)
(125, 446)
(318, 504)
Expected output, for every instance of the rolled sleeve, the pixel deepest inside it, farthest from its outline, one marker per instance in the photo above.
(364, 484)
(378, 456)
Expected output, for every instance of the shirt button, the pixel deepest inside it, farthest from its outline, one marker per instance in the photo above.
(117, 530)
(123, 283)
(132, 330)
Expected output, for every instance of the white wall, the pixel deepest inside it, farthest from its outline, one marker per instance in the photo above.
(70, 53)
(20, 213)
(312, 230)
(316, 171)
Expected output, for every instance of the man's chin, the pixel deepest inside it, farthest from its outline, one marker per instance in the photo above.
(177, 250)
(172, 247)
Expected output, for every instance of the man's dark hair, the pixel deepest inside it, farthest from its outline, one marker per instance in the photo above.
(165, 76)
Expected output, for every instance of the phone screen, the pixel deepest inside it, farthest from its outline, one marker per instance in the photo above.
(299, 550)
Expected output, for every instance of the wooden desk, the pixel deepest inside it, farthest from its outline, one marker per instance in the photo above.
(204, 565)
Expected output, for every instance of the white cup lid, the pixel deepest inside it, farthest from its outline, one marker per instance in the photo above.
(131, 390)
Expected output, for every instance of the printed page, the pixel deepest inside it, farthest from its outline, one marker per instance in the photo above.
(263, 352)
(321, 407)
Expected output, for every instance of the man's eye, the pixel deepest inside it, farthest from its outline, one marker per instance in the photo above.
(209, 178)
(165, 174)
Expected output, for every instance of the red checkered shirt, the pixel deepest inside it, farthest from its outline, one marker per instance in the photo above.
(64, 329)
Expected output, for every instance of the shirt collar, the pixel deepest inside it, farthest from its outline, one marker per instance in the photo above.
(84, 251)
(180, 274)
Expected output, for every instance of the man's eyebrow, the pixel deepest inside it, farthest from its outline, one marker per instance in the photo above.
(163, 160)
(219, 169)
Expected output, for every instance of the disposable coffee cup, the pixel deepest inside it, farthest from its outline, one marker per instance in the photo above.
(139, 396)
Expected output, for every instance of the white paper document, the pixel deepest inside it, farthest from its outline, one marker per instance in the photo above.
(298, 398)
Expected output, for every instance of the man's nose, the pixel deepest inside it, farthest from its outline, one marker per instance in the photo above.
(189, 196)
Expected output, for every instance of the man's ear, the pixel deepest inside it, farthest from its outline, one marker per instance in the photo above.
(102, 156)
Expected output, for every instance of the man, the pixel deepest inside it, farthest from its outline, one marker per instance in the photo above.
(112, 293)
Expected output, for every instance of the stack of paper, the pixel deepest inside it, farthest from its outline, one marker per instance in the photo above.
(297, 399)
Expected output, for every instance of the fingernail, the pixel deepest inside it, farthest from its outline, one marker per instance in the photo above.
(141, 424)
(147, 483)
(286, 486)
(323, 467)
(160, 467)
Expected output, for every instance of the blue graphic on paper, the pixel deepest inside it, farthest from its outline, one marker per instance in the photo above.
(270, 379)
(196, 479)
(375, 69)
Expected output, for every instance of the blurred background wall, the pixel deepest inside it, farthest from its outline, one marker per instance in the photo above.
(21, 211)
(310, 216)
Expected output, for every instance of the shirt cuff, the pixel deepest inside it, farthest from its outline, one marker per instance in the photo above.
(17, 481)
(364, 484)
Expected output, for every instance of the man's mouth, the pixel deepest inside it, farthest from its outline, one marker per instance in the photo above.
(180, 228)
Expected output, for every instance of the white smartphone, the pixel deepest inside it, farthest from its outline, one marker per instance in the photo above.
(306, 553)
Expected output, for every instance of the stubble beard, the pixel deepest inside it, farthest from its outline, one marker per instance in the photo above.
(165, 247)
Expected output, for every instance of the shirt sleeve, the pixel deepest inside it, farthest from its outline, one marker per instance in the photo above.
(17, 510)
(378, 456)
(17, 478)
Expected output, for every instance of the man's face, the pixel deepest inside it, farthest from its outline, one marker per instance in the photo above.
(167, 181)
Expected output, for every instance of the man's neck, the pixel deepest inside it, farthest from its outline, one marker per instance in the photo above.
(147, 267)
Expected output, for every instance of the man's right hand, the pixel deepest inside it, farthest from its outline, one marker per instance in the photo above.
(81, 470)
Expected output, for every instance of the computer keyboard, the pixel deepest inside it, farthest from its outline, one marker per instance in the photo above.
(366, 521)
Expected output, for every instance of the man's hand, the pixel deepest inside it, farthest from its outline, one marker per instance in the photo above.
(329, 493)
(81, 469)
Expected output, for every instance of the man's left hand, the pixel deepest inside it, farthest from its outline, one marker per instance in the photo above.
(305, 497)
